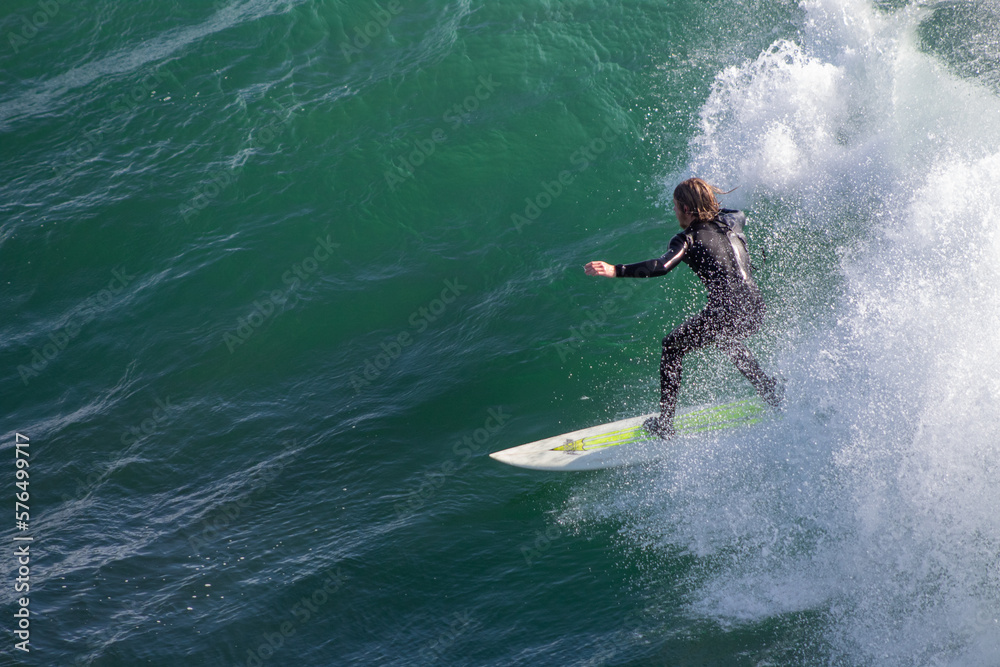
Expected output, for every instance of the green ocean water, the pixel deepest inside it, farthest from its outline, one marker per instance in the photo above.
(277, 276)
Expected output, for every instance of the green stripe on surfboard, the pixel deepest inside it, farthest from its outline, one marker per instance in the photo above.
(730, 415)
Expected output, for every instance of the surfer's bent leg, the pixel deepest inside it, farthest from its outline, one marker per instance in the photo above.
(747, 321)
(766, 386)
(697, 332)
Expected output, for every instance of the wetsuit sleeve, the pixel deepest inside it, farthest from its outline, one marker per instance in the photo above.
(655, 267)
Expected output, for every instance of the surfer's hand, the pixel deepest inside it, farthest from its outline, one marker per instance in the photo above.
(600, 269)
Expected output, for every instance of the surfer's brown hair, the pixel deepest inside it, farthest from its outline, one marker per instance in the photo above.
(697, 197)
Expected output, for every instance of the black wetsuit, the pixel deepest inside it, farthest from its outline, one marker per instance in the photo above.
(717, 252)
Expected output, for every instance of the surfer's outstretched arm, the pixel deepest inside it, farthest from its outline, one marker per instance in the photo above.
(648, 269)
(652, 268)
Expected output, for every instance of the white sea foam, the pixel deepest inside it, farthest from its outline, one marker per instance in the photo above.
(874, 503)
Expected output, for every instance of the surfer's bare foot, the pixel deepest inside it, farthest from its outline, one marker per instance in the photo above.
(659, 427)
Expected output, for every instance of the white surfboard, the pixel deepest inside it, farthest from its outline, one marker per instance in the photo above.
(625, 442)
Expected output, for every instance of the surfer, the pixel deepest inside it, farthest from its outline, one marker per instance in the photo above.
(712, 244)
